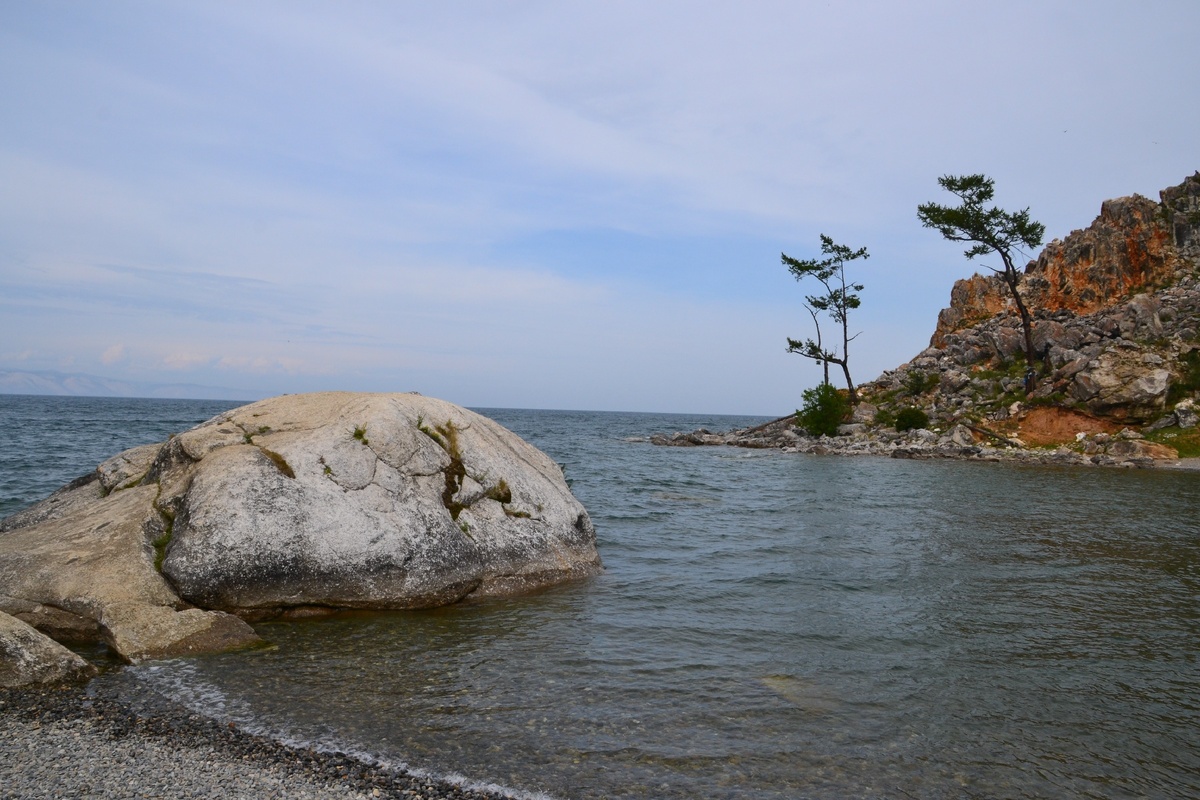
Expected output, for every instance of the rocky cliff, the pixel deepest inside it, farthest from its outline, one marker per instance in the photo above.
(1116, 310)
(1116, 315)
(1134, 246)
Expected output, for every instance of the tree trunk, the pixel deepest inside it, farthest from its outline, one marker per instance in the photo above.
(817, 324)
(1011, 278)
(841, 362)
(849, 384)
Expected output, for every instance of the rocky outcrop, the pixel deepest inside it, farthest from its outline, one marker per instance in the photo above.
(85, 566)
(1116, 310)
(27, 657)
(1129, 361)
(1135, 245)
(1090, 445)
(1116, 326)
(296, 504)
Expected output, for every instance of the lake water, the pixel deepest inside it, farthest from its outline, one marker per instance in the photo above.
(769, 626)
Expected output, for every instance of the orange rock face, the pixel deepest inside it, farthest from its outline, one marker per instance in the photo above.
(1127, 248)
(1134, 245)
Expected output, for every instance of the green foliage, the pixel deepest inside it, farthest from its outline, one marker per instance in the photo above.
(986, 229)
(839, 296)
(446, 437)
(1052, 399)
(500, 492)
(360, 433)
(161, 542)
(911, 418)
(839, 299)
(160, 549)
(917, 383)
(1189, 378)
(430, 432)
(824, 409)
(248, 437)
(885, 417)
(1003, 369)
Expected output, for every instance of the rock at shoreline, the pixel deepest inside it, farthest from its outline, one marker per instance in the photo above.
(28, 657)
(87, 562)
(325, 501)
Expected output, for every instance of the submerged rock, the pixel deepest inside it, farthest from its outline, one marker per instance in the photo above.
(331, 500)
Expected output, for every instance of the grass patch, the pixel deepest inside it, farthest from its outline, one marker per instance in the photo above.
(279, 461)
(917, 383)
(1052, 399)
(360, 433)
(1012, 368)
(446, 437)
(164, 539)
(1185, 440)
(500, 493)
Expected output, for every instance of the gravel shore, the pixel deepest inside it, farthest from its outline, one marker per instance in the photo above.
(76, 742)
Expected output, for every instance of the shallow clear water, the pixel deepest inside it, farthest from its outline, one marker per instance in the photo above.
(776, 625)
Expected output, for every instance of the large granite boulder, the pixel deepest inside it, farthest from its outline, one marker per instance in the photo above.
(82, 562)
(331, 500)
(1122, 383)
(27, 657)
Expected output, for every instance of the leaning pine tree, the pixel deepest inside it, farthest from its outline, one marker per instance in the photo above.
(989, 230)
(839, 298)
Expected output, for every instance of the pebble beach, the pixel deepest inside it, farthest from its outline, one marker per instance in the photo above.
(76, 742)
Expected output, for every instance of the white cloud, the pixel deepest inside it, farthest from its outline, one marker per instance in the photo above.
(112, 355)
(185, 361)
(302, 194)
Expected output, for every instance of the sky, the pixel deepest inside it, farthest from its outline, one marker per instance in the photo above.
(572, 205)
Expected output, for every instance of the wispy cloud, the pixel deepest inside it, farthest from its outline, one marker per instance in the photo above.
(112, 355)
(477, 200)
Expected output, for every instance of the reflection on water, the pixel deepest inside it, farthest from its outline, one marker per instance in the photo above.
(782, 626)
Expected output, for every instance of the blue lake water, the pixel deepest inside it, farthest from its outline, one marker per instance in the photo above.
(769, 625)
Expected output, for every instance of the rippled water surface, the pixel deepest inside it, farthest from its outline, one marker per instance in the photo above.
(769, 625)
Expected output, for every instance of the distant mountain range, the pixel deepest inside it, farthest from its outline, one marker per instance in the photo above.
(78, 384)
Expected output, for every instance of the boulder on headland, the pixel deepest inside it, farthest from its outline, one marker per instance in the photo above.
(295, 504)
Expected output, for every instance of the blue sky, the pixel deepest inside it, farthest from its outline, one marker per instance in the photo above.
(544, 205)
